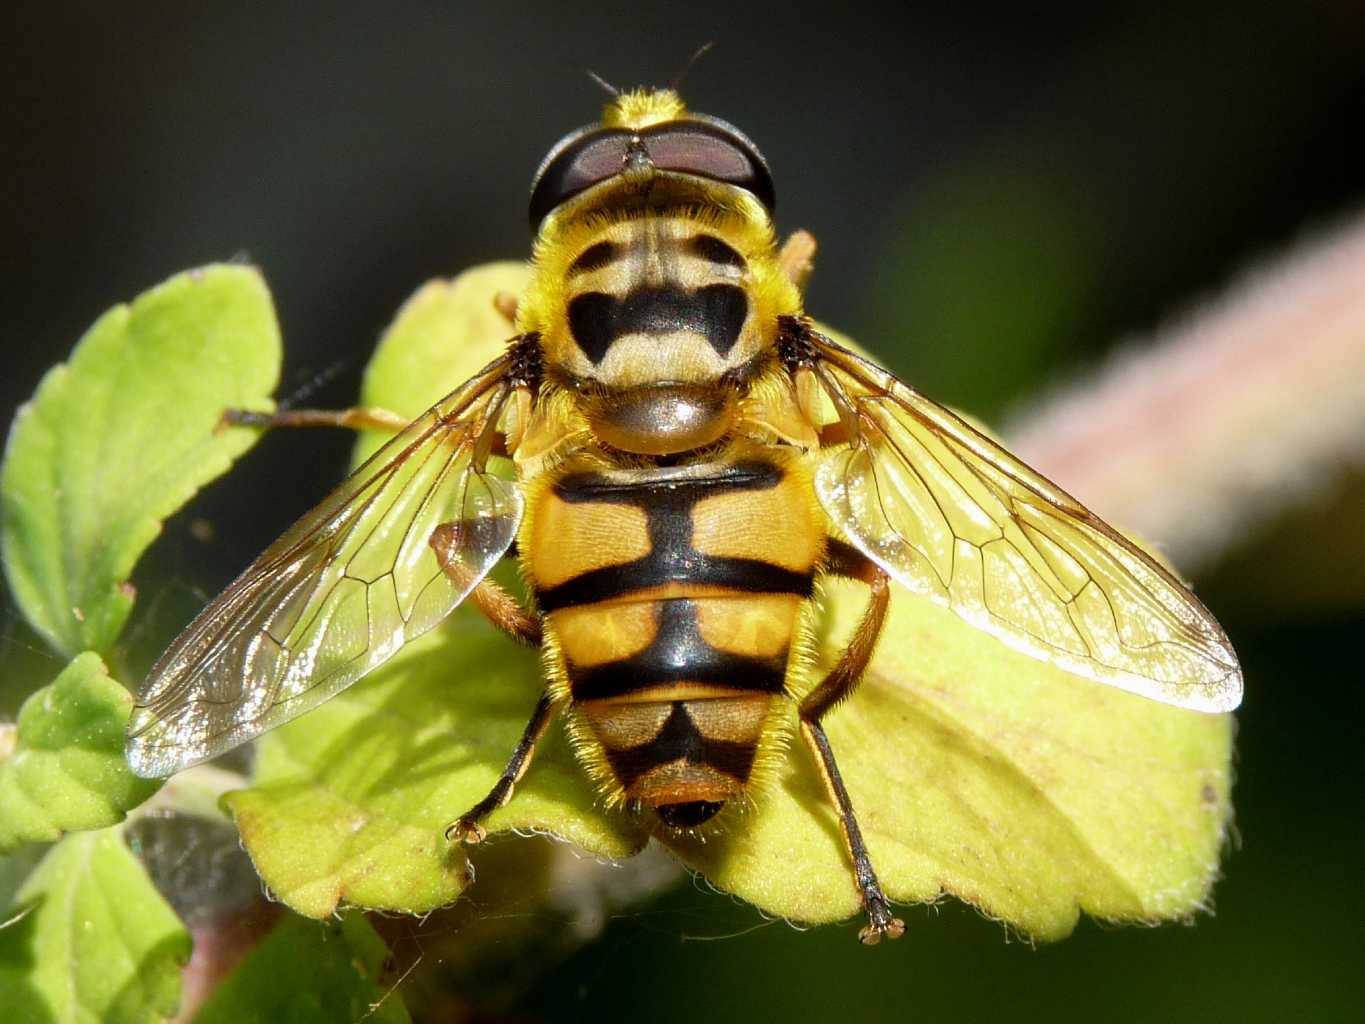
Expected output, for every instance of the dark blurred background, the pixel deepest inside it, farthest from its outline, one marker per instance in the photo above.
(1000, 196)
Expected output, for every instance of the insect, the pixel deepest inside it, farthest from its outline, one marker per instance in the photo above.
(691, 457)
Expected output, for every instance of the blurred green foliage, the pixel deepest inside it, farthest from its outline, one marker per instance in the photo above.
(343, 962)
(97, 942)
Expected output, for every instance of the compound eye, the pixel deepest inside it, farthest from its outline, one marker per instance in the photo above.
(580, 161)
(710, 149)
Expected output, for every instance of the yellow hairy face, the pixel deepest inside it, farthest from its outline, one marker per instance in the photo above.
(652, 265)
(641, 108)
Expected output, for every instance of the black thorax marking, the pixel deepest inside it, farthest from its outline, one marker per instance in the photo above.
(595, 257)
(715, 311)
(667, 503)
(713, 250)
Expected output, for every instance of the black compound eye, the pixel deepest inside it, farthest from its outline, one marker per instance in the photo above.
(580, 161)
(703, 146)
(710, 149)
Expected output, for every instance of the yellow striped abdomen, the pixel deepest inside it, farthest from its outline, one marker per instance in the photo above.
(672, 599)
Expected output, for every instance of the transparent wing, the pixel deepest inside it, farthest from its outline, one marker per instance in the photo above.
(346, 587)
(954, 517)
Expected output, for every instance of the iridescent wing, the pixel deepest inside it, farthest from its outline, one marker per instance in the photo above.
(954, 517)
(348, 585)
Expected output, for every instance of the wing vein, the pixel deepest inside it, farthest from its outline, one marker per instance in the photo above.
(919, 485)
(343, 589)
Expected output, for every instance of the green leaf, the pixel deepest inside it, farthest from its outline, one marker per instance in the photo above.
(327, 821)
(976, 771)
(123, 435)
(979, 772)
(66, 771)
(308, 971)
(97, 943)
(14, 869)
(351, 801)
(445, 333)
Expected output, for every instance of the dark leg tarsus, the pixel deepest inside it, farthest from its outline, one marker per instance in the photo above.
(468, 828)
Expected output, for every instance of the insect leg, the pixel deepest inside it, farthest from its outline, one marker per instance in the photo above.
(838, 684)
(467, 828)
(506, 612)
(500, 607)
(506, 304)
(356, 418)
(798, 257)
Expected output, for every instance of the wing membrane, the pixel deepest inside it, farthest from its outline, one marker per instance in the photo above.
(954, 517)
(345, 587)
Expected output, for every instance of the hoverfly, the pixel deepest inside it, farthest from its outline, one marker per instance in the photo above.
(691, 456)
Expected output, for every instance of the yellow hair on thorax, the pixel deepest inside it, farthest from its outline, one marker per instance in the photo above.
(641, 108)
(733, 214)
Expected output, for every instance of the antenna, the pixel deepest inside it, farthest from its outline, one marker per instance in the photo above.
(606, 86)
(696, 56)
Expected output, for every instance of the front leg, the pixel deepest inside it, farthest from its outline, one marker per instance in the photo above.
(797, 257)
(358, 417)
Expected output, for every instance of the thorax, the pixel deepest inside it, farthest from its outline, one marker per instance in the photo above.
(656, 299)
(655, 322)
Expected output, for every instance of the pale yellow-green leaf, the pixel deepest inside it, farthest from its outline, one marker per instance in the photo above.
(984, 774)
(349, 803)
(445, 333)
(976, 771)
